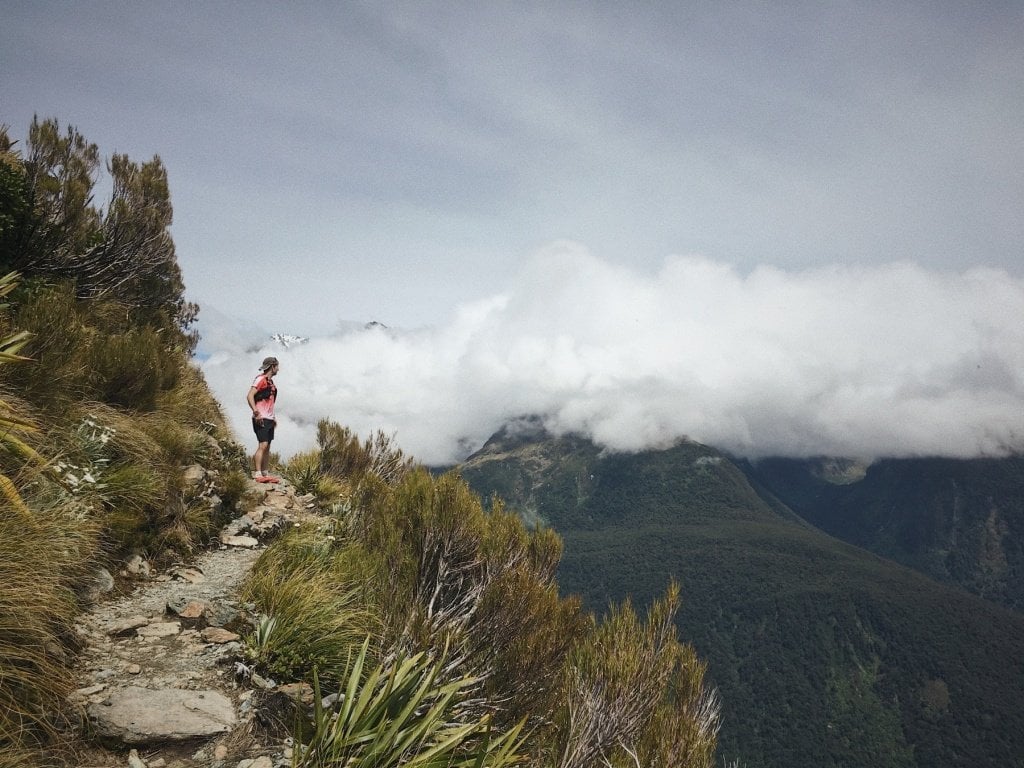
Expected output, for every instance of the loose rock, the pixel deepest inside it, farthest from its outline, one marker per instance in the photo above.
(218, 635)
(142, 716)
(239, 541)
(159, 629)
(128, 626)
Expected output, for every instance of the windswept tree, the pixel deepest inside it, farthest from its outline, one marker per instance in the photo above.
(60, 221)
(123, 253)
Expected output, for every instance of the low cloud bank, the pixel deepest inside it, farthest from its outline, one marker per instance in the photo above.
(843, 361)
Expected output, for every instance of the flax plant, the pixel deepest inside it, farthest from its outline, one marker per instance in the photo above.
(13, 426)
(402, 714)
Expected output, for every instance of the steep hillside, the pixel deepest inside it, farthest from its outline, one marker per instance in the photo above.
(824, 654)
(104, 422)
(959, 522)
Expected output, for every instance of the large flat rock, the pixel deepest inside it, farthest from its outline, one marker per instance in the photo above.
(142, 716)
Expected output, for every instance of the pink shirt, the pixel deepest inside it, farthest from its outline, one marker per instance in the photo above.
(265, 407)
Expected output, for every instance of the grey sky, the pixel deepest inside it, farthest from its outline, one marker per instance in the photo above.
(392, 161)
(789, 228)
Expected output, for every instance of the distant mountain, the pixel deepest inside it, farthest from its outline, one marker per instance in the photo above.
(288, 340)
(223, 333)
(825, 654)
(960, 522)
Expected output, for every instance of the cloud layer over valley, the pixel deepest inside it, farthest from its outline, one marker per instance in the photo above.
(867, 361)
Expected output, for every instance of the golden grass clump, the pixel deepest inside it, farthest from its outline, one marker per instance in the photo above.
(191, 402)
(42, 560)
(305, 471)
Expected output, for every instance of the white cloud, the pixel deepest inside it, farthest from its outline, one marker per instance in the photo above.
(890, 360)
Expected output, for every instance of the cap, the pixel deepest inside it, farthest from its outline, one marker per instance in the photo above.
(268, 363)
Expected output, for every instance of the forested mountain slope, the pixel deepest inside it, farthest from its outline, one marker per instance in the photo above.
(824, 654)
(958, 521)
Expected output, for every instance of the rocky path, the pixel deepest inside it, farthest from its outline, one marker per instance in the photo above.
(161, 686)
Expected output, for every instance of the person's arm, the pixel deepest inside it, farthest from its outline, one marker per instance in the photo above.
(251, 400)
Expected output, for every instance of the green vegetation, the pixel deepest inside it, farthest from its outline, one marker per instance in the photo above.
(823, 654)
(461, 604)
(959, 522)
(100, 408)
(401, 714)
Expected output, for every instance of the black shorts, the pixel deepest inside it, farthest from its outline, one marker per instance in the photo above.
(264, 429)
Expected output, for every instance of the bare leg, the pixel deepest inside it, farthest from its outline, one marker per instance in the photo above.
(261, 458)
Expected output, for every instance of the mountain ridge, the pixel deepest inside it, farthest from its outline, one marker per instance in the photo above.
(825, 653)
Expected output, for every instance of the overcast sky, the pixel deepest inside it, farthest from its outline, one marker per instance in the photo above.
(414, 162)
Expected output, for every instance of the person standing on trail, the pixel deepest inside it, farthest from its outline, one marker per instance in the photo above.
(261, 398)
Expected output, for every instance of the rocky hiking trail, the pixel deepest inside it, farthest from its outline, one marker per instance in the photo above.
(161, 679)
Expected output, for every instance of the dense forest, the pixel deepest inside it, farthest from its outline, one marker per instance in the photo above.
(960, 522)
(438, 621)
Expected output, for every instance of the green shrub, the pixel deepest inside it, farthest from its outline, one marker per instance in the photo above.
(634, 695)
(342, 455)
(57, 374)
(130, 369)
(444, 572)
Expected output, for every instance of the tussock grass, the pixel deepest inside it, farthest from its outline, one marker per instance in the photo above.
(130, 368)
(232, 486)
(305, 471)
(191, 402)
(136, 460)
(133, 487)
(57, 377)
(41, 562)
(315, 615)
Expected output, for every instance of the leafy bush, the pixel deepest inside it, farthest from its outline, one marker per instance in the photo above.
(444, 572)
(444, 579)
(635, 695)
